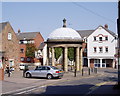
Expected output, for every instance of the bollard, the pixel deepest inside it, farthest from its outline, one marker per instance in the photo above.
(82, 72)
(91, 69)
(24, 70)
(75, 73)
(88, 71)
(95, 70)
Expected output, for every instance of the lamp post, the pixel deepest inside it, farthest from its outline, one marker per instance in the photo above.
(118, 29)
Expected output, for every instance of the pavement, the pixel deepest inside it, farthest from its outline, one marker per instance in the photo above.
(17, 83)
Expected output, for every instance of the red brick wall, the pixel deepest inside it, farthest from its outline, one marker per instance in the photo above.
(92, 63)
(1, 74)
(11, 47)
(38, 39)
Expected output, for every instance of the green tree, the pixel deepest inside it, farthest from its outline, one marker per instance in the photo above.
(30, 50)
(58, 53)
(71, 54)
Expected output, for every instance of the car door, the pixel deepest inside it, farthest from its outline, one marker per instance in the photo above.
(37, 72)
(44, 71)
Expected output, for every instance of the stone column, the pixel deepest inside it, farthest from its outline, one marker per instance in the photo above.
(65, 59)
(81, 59)
(88, 62)
(100, 63)
(53, 57)
(77, 59)
(47, 56)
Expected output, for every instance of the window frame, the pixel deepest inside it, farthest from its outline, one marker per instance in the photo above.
(100, 39)
(9, 36)
(100, 49)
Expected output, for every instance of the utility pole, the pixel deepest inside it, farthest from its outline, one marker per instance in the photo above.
(118, 29)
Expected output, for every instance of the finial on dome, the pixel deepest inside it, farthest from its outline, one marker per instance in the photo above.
(64, 22)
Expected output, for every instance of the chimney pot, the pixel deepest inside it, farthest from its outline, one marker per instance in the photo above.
(106, 26)
(19, 31)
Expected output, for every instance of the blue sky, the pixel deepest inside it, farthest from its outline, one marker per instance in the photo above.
(45, 17)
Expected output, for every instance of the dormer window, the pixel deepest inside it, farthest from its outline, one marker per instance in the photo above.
(9, 36)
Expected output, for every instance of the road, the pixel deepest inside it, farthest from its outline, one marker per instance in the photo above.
(83, 86)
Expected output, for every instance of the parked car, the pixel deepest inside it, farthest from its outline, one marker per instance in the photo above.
(45, 71)
(22, 66)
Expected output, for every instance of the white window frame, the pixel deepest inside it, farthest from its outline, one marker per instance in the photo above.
(9, 35)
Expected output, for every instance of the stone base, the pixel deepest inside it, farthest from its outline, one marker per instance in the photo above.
(1, 74)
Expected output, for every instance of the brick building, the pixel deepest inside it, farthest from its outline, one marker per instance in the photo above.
(9, 46)
(25, 38)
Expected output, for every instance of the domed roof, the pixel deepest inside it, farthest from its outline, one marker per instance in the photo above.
(64, 33)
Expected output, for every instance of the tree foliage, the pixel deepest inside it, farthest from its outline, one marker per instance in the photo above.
(58, 53)
(71, 54)
(30, 50)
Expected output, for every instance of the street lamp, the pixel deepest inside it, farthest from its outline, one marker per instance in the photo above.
(118, 29)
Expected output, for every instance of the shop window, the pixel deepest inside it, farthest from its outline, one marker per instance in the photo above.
(97, 62)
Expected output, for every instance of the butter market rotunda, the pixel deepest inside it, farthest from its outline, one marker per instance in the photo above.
(65, 38)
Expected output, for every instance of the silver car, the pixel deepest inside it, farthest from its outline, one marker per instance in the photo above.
(45, 71)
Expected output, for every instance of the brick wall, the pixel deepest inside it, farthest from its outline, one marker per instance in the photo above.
(11, 47)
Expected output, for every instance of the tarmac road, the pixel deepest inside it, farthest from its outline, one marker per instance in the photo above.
(85, 86)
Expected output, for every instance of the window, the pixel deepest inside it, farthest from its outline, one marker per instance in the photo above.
(100, 49)
(94, 38)
(48, 68)
(97, 62)
(9, 36)
(22, 59)
(43, 68)
(103, 63)
(85, 50)
(95, 49)
(21, 50)
(106, 49)
(100, 38)
(28, 59)
(21, 42)
(106, 38)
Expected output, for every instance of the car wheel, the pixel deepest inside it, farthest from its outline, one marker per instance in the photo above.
(28, 75)
(49, 76)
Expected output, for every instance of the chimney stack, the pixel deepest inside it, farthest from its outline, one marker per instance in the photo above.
(64, 23)
(19, 31)
(106, 26)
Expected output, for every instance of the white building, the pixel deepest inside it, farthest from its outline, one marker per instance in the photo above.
(101, 47)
